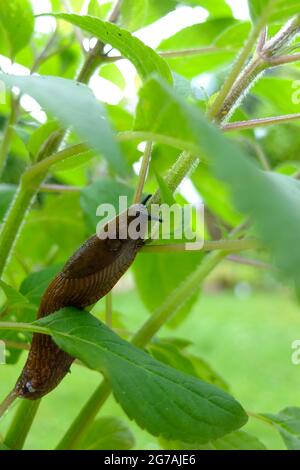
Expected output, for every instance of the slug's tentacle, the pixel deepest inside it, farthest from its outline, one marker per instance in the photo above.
(88, 276)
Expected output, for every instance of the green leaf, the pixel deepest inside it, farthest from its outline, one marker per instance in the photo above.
(189, 409)
(166, 194)
(99, 10)
(17, 19)
(278, 93)
(112, 73)
(275, 10)
(198, 35)
(40, 136)
(107, 433)
(62, 216)
(239, 440)
(7, 192)
(105, 191)
(173, 355)
(138, 13)
(255, 193)
(216, 195)
(34, 286)
(234, 36)
(143, 57)
(216, 9)
(15, 299)
(74, 105)
(19, 309)
(287, 422)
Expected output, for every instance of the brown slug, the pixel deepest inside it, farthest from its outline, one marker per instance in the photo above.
(87, 277)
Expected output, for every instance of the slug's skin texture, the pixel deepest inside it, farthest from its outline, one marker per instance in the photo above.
(87, 277)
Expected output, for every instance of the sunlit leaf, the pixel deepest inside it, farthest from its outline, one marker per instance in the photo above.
(143, 57)
(68, 101)
(16, 17)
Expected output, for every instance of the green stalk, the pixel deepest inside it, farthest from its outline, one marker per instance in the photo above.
(236, 70)
(21, 424)
(267, 57)
(231, 246)
(184, 165)
(15, 219)
(143, 173)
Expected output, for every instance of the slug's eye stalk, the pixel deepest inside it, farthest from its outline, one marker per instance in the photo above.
(151, 217)
(146, 199)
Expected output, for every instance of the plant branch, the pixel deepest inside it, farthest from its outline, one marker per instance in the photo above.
(143, 173)
(178, 53)
(59, 188)
(249, 262)
(225, 245)
(260, 122)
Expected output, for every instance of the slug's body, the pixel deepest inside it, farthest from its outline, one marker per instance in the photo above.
(88, 276)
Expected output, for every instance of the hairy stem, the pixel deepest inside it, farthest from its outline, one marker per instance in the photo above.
(261, 122)
(217, 105)
(225, 245)
(143, 173)
(15, 219)
(265, 58)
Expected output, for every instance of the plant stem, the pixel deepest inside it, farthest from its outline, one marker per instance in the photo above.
(184, 165)
(21, 424)
(163, 139)
(262, 122)
(178, 53)
(15, 219)
(143, 173)
(265, 58)
(225, 245)
(249, 262)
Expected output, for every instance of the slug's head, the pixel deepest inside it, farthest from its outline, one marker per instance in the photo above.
(130, 225)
